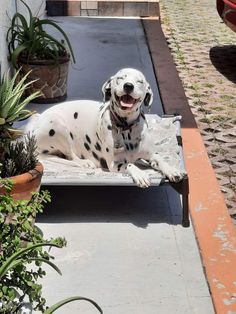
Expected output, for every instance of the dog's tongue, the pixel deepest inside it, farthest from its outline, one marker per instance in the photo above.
(127, 101)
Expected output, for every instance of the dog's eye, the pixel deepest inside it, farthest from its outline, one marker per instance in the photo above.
(140, 81)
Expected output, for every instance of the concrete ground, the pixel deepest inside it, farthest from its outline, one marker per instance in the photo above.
(126, 248)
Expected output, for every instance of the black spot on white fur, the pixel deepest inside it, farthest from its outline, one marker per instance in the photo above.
(107, 149)
(119, 166)
(98, 147)
(45, 151)
(109, 127)
(86, 146)
(71, 135)
(103, 163)
(75, 115)
(95, 155)
(88, 138)
(51, 132)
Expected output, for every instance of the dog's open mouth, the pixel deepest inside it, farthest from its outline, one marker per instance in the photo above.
(126, 101)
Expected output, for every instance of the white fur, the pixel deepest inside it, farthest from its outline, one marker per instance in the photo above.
(94, 134)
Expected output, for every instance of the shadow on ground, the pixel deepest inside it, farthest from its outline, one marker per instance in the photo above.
(112, 204)
(224, 60)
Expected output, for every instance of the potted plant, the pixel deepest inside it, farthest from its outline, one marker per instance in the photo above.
(17, 159)
(22, 244)
(33, 49)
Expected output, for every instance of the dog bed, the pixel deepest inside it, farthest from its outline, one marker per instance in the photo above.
(167, 132)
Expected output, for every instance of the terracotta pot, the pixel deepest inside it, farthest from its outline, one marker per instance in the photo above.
(26, 183)
(51, 78)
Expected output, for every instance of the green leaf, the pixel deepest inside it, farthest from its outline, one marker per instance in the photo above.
(13, 260)
(15, 54)
(43, 260)
(56, 306)
(2, 121)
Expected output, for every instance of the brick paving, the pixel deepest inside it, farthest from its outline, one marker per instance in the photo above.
(204, 51)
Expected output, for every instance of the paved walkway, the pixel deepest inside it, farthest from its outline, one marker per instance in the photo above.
(204, 50)
(126, 247)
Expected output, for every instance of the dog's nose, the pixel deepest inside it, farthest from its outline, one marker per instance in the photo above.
(128, 88)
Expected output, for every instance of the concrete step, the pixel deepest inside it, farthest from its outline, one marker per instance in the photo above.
(102, 8)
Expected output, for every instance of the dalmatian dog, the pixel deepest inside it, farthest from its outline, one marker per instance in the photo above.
(112, 134)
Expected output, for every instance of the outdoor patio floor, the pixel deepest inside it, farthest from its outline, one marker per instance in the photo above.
(126, 247)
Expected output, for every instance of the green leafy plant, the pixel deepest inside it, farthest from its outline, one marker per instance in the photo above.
(12, 107)
(30, 41)
(21, 157)
(21, 244)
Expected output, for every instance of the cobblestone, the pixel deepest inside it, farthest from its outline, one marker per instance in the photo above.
(204, 51)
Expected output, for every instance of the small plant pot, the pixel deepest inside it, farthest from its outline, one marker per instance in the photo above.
(51, 78)
(26, 183)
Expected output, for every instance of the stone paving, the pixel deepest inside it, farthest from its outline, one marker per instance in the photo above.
(204, 51)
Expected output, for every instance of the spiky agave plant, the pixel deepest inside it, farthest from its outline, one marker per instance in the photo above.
(12, 107)
(30, 40)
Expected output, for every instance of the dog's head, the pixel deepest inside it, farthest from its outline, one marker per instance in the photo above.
(128, 90)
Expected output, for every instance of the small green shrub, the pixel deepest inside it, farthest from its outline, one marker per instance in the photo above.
(23, 244)
(17, 233)
(21, 156)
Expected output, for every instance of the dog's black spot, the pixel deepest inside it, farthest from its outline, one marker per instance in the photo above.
(119, 166)
(103, 163)
(52, 147)
(75, 115)
(129, 137)
(51, 121)
(45, 151)
(123, 135)
(82, 157)
(107, 149)
(136, 145)
(131, 146)
(86, 146)
(127, 146)
(98, 147)
(109, 127)
(51, 132)
(88, 138)
(136, 109)
(71, 135)
(95, 155)
(129, 165)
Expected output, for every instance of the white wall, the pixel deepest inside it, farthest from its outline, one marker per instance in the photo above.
(7, 9)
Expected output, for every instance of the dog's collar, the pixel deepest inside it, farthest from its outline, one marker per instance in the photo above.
(121, 124)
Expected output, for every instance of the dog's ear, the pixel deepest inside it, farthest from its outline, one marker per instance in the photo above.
(106, 90)
(148, 98)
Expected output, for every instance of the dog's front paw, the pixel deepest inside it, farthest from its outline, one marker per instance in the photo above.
(139, 177)
(173, 174)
